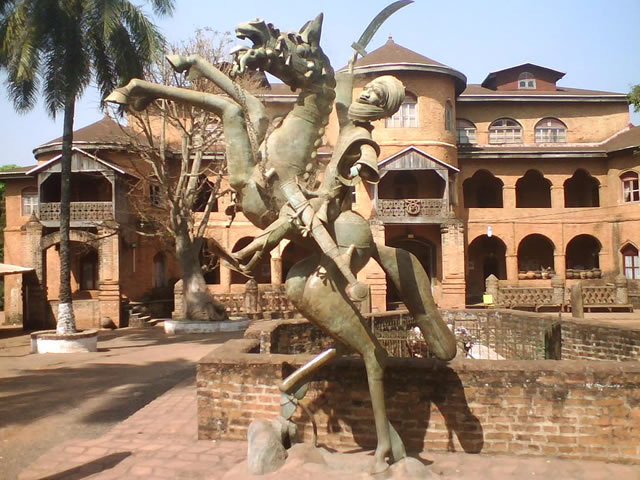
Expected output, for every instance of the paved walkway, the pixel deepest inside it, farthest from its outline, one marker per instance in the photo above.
(133, 405)
(159, 441)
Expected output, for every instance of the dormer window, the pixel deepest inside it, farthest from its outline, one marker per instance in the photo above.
(526, 81)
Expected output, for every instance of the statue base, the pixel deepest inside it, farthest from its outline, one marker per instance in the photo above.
(307, 462)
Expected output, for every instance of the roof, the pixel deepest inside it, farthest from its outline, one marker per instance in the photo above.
(102, 131)
(406, 152)
(392, 57)
(475, 89)
(555, 74)
(391, 52)
(56, 159)
(6, 269)
(18, 172)
(627, 139)
(478, 93)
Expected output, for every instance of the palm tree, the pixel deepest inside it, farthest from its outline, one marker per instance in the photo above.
(59, 47)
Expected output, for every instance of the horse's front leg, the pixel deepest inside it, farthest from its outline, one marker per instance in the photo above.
(321, 299)
(195, 66)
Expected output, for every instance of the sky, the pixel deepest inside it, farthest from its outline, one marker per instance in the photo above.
(595, 42)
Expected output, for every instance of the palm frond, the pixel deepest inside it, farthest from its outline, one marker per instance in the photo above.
(148, 39)
(163, 7)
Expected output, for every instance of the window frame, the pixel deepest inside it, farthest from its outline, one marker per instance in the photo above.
(449, 119)
(155, 195)
(526, 81)
(630, 187)
(630, 262)
(31, 207)
(505, 134)
(407, 114)
(558, 127)
(470, 130)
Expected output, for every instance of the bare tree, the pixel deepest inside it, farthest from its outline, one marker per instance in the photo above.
(182, 165)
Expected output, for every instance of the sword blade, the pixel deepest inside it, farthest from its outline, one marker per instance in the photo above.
(379, 19)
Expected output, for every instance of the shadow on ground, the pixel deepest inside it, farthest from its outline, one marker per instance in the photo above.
(86, 470)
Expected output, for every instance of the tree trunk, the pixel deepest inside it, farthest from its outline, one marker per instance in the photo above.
(199, 304)
(66, 320)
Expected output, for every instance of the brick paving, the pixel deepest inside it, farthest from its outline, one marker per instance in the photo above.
(160, 441)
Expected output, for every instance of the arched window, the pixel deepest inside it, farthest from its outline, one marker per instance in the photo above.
(466, 131)
(526, 80)
(159, 276)
(406, 116)
(630, 262)
(551, 130)
(448, 116)
(630, 188)
(29, 201)
(505, 130)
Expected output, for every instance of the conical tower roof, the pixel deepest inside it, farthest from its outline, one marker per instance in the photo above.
(392, 57)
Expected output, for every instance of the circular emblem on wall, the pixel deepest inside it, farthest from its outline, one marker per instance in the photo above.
(412, 206)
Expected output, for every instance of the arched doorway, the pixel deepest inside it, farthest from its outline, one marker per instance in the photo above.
(485, 256)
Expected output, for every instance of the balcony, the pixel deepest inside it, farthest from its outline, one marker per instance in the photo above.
(412, 210)
(82, 213)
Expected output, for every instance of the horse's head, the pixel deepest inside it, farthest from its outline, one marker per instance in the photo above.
(294, 58)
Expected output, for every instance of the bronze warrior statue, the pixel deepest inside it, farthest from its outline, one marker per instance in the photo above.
(271, 177)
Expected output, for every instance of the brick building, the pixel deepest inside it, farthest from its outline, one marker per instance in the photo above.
(518, 177)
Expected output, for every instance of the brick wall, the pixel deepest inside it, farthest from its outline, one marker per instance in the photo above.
(582, 340)
(586, 410)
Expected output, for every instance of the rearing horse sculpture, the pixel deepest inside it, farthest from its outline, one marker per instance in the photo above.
(272, 176)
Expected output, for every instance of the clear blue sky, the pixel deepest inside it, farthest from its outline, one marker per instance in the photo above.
(596, 42)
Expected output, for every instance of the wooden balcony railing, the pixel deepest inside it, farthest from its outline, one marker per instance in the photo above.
(412, 207)
(80, 211)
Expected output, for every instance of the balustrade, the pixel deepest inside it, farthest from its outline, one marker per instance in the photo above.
(80, 211)
(412, 207)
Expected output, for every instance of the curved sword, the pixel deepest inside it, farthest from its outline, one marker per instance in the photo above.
(373, 27)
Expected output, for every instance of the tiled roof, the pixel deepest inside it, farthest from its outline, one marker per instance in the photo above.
(555, 74)
(102, 131)
(627, 139)
(391, 52)
(475, 89)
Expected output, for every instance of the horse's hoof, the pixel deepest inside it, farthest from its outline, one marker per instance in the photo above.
(177, 62)
(119, 96)
(379, 468)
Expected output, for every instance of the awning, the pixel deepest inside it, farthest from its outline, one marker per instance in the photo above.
(6, 269)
